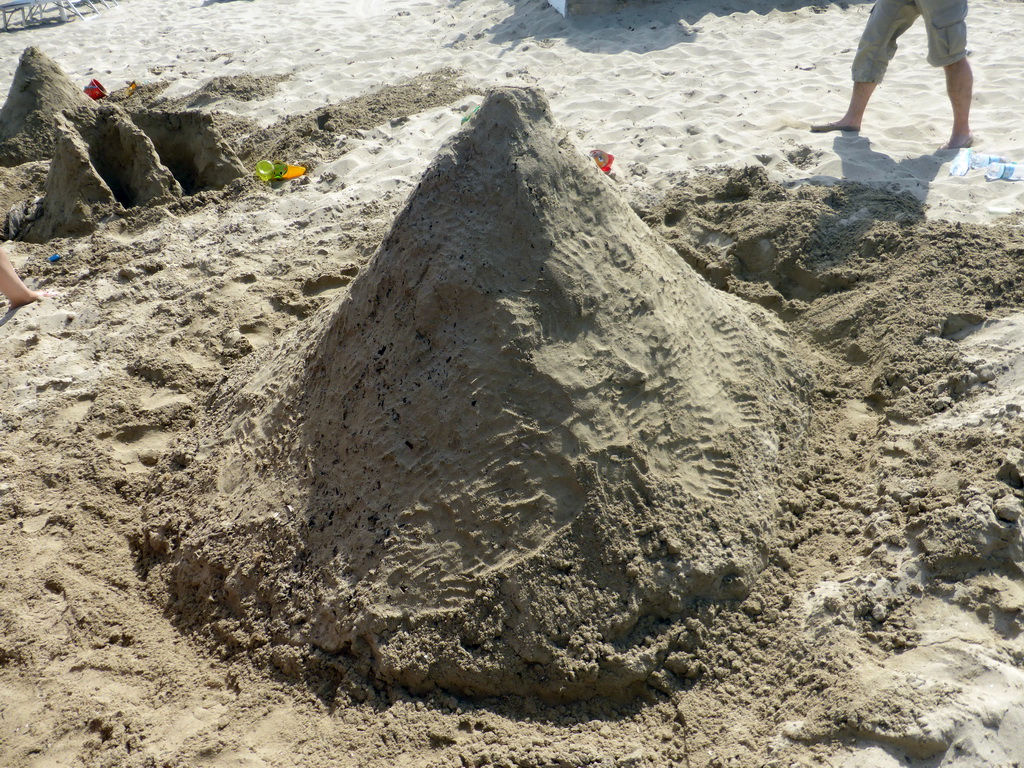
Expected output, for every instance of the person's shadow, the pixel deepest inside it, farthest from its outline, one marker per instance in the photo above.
(639, 27)
(864, 165)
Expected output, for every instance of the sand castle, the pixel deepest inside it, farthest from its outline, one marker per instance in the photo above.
(511, 459)
(104, 159)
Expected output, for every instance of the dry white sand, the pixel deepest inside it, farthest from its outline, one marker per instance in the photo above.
(665, 87)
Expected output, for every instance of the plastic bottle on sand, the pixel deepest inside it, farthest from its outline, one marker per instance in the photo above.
(961, 163)
(984, 161)
(1005, 171)
(967, 159)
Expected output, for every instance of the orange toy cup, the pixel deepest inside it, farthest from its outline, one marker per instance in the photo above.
(603, 159)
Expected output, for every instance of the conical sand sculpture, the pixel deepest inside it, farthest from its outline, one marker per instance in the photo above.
(39, 92)
(512, 460)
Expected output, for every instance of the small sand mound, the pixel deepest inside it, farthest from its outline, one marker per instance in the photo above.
(39, 92)
(107, 162)
(513, 459)
(103, 163)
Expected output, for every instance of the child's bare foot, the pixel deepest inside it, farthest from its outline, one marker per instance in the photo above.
(31, 296)
(14, 288)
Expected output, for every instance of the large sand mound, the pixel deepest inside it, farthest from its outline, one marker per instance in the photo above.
(512, 460)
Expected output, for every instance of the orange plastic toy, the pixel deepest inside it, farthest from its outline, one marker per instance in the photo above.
(603, 159)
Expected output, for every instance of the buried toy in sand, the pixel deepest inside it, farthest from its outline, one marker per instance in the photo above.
(95, 90)
(511, 460)
(603, 159)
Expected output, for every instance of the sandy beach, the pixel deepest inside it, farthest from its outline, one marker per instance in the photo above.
(456, 451)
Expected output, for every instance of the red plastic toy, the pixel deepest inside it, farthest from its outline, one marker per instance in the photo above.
(95, 90)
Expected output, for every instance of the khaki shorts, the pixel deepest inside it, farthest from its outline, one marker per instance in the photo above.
(945, 21)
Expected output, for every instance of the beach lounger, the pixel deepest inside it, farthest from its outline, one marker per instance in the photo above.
(34, 10)
(72, 5)
(9, 9)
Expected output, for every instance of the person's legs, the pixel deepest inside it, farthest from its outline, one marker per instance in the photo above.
(946, 22)
(854, 112)
(946, 25)
(11, 285)
(888, 20)
(960, 87)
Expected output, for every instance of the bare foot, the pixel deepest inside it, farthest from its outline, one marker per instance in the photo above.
(838, 125)
(32, 296)
(958, 141)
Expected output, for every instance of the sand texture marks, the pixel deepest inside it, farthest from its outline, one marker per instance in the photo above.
(513, 458)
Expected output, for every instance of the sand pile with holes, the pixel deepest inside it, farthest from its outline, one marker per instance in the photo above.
(510, 460)
(102, 164)
(104, 160)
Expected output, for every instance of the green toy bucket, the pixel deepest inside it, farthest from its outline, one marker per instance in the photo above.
(265, 170)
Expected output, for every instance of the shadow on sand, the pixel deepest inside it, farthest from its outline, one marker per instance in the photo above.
(640, 27)
(864, 165)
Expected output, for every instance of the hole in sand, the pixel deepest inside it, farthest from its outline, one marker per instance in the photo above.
(190, 145)
(108, 157)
